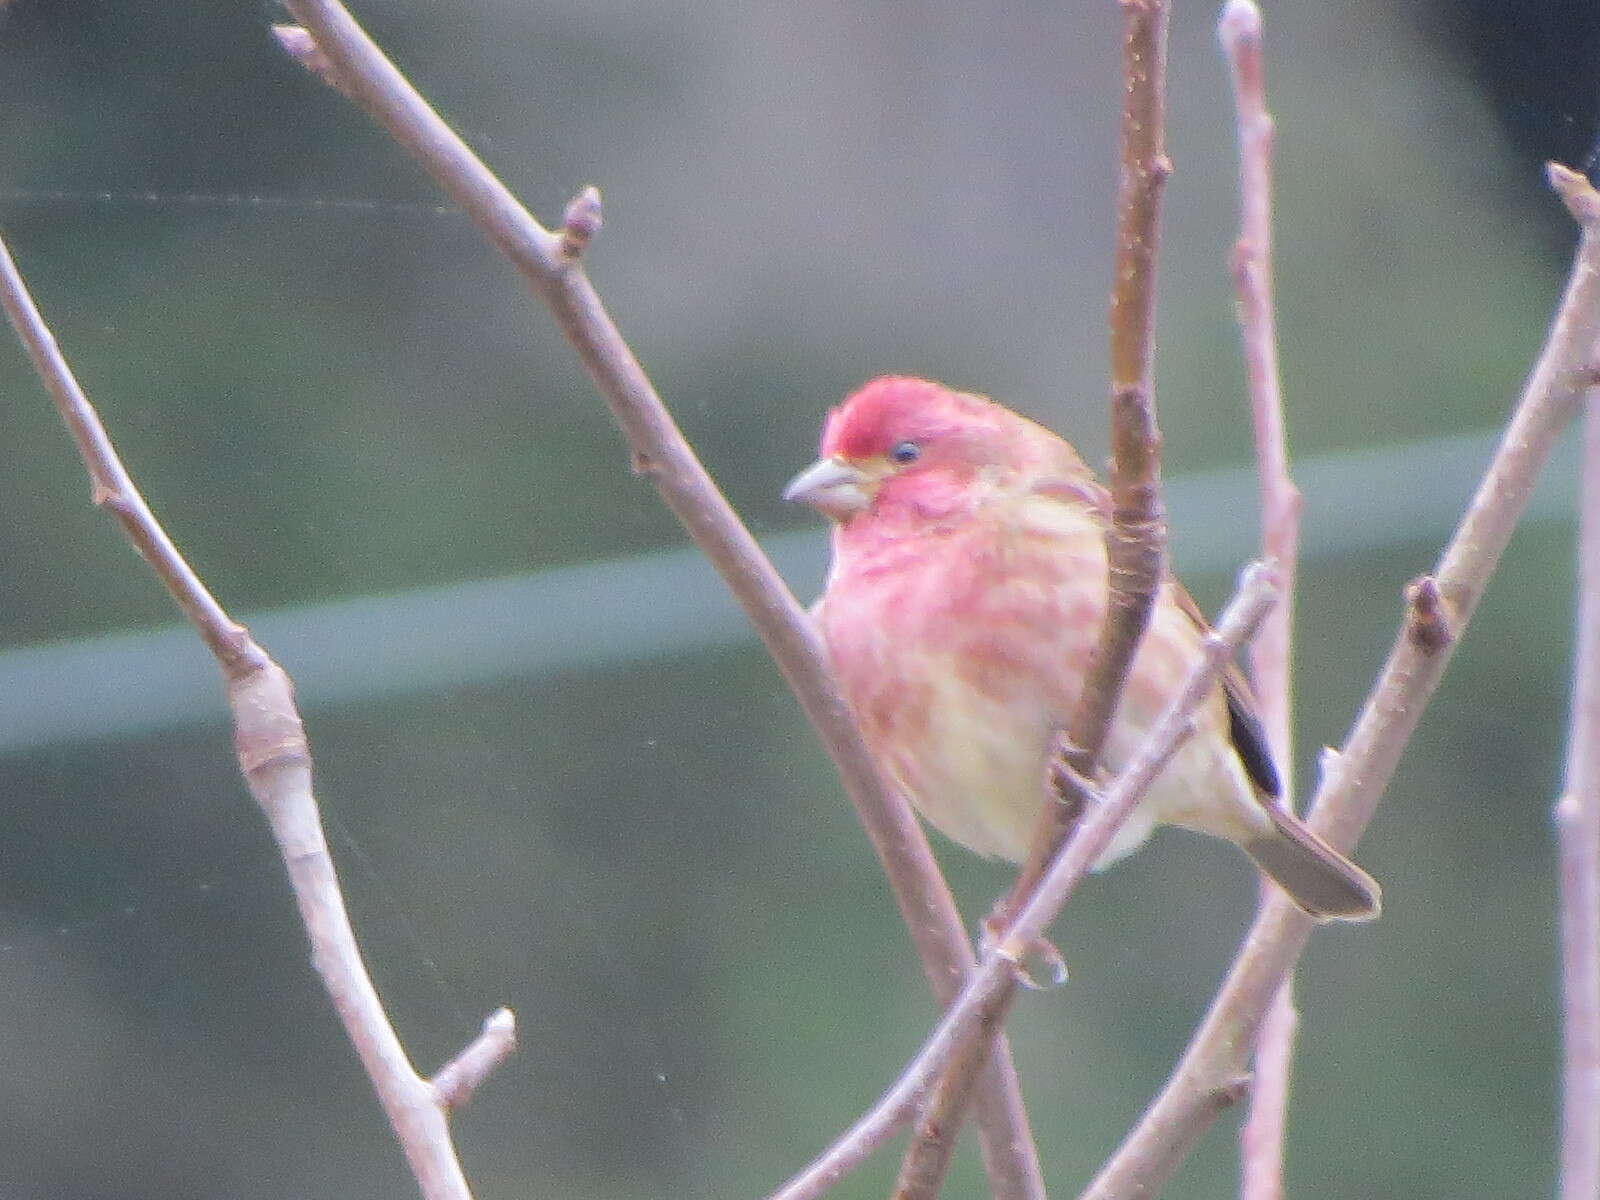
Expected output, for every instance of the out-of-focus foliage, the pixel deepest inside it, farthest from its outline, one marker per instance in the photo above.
(653, 864)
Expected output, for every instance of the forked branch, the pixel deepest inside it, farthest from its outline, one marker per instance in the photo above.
(1137, 539)
(551, 264)
(990, 988)
(276, 764)
(1438, 609)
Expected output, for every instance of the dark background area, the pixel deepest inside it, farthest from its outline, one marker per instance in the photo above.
(1538, 63)
(547, 794)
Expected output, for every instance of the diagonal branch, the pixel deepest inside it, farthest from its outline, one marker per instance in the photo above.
(989, 991)
(551, 265)
(276, 764)
(1437, 611)
(1261, 1139)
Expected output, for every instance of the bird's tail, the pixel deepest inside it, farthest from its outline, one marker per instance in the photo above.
(1321, 881)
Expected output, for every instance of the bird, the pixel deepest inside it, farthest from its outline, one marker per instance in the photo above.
(962, 608)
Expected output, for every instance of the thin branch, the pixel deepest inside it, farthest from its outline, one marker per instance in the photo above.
(1262, 1137)
(551, 266)
(1578, 831)
(991, 987)
(1137, 539)
(1240, 31)
(275, 762)
(111, 487)
(1437, 613)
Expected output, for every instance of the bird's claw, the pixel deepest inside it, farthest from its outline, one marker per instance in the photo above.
(1036, 964)
(1070, 784)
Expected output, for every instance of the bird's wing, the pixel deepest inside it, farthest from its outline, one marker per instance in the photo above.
(1245, 729)
(1080, 491)
(1244, 725)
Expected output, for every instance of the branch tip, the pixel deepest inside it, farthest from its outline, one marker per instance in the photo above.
(1262, 574)
(501, 1021)
(461, 1077)
(296, 41)
(1240, 23)
(580, 222)
(1576, 192)
(1328, 761)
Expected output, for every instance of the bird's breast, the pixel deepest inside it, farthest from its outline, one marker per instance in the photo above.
(961, 655)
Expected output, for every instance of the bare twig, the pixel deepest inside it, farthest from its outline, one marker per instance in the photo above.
(457, 1081)
(1578, 830)
(275, 762)
(1240, 30)
(299, 45)
(1262, 1137)
(989, 990)
(1135, 542)
(1355, 780)
(551, 266)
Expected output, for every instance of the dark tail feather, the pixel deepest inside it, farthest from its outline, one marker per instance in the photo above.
(1321, 881)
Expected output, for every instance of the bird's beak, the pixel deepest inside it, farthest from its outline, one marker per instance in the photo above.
(832, 486)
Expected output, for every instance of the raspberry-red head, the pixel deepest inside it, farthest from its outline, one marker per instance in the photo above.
(883, 416)
(914, 449)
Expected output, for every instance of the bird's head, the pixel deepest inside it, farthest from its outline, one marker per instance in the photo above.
(903, 442)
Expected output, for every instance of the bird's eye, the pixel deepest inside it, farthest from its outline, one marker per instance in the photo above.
(906, 452)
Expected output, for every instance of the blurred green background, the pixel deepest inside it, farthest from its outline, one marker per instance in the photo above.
(585, 793)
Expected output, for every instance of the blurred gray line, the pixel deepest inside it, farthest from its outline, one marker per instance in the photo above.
(668, 602)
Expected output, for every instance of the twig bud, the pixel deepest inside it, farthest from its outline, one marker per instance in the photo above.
(1428, 622)
(458, 1079)
(580, 222)
(297, 42)
(1240, 22)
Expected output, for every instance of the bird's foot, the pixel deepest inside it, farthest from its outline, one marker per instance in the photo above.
(1036, 964)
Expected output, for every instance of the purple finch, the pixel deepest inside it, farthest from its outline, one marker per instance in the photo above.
(963, 607)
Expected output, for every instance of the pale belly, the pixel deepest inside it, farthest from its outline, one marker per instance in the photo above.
(965, 724)
(980, 776)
